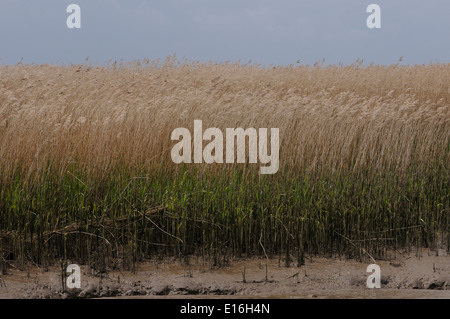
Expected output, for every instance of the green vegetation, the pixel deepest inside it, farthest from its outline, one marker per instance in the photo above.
(86, 173)
(217, 215)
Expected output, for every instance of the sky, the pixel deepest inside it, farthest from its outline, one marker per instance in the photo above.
(268, 32)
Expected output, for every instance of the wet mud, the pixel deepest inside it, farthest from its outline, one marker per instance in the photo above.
(413, 275)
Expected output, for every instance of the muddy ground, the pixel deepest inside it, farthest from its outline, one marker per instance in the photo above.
(403, 275)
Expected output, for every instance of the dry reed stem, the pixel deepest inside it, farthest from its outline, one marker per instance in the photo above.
(330, 118)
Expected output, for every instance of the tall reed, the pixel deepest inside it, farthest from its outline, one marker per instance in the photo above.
(86, 172)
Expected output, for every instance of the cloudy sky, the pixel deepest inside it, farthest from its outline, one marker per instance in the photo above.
(261, 31)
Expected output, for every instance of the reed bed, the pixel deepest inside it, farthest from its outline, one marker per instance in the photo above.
(86, 172)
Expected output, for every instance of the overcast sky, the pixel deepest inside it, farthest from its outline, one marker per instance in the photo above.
(263, 31)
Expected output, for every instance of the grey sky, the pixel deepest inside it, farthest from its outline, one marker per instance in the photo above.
(263, 31)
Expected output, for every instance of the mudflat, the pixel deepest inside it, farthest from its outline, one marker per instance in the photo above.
(424, 274)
